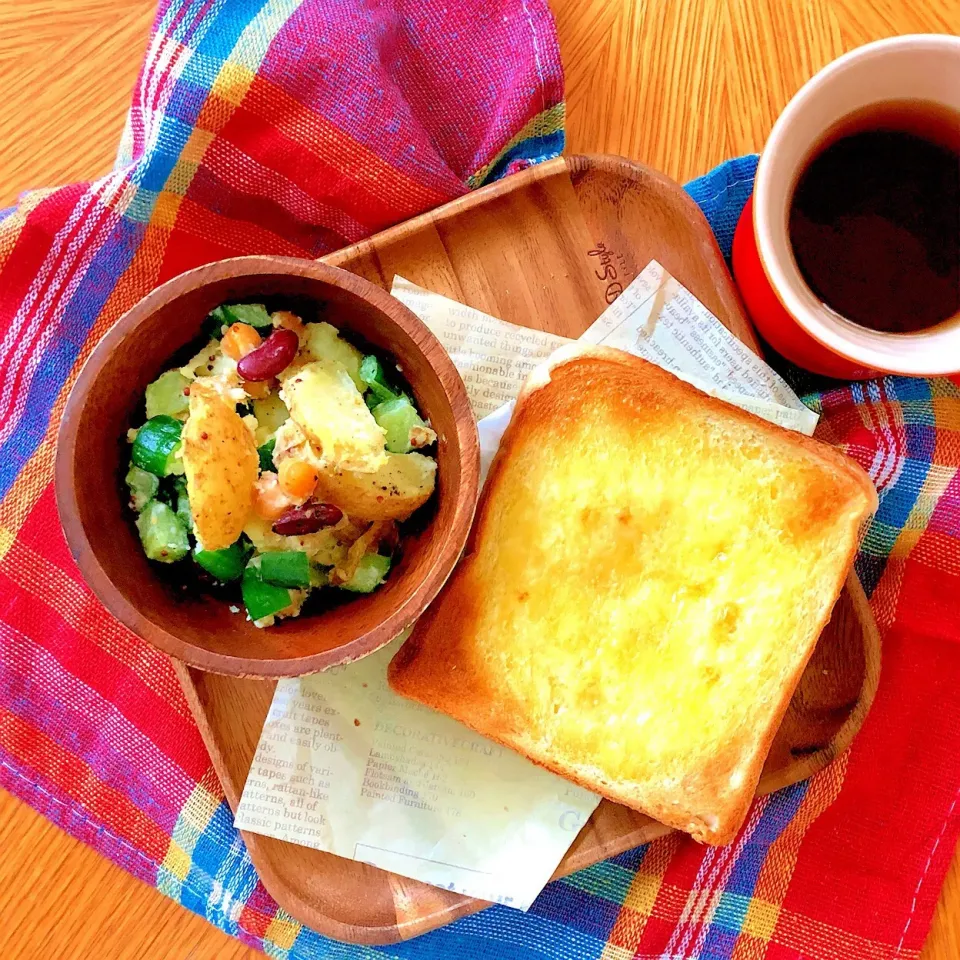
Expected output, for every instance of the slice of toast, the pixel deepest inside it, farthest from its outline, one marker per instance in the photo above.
(647, 577)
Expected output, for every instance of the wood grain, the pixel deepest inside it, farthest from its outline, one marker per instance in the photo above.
(522, 249)
(66, 69)
(60, 900)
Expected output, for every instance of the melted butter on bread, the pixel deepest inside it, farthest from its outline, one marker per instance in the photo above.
(648, 575)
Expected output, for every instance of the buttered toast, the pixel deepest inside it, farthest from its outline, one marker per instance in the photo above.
(647, 577)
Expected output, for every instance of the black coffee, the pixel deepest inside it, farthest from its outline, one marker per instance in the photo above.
(875, 218)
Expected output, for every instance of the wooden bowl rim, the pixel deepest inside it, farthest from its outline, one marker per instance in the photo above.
(407, 607)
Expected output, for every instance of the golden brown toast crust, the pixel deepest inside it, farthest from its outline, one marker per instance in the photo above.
(442, 665)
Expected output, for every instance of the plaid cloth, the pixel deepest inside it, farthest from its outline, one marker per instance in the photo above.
(297, 126)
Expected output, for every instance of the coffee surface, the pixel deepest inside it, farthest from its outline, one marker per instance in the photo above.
(875, 221)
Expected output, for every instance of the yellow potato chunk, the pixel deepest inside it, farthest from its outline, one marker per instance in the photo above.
(271, 413)
(211, 361)
(221, 464)
(327, 406)
(404, 483)
(322, 341)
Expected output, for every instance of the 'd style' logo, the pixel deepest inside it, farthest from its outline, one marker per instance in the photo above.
(606, 270)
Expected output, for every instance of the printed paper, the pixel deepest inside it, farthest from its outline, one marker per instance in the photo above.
(659, 319)
(655, 317)
(347, 766)
(494, 357)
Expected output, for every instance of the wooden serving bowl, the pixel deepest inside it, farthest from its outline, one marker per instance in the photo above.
(93, 456)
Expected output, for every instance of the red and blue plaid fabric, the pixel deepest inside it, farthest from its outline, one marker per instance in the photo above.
(297, 126)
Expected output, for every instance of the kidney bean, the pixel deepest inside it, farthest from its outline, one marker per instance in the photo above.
(275, 353)
(307, 518)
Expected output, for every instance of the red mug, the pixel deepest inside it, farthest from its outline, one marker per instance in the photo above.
(786, 313)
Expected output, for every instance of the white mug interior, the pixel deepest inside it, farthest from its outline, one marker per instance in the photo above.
(917, 67)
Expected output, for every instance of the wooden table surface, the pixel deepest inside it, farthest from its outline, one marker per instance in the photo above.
(679, 85)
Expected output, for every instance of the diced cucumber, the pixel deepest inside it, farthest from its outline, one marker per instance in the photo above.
(166, 396)
(183, 510)
(397, 416)
(163, 535)
(262, 599)
(371, 373)
(174, 465)
(226, 564)
(253, 313)
(143, 486)
(265, 453)
(371, 370)
(369, 574)
(156, 446)
(381, 393)
(285, 568)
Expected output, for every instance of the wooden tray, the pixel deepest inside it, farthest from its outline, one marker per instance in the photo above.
(548, 248)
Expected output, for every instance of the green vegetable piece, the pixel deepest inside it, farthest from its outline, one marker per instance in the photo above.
(143, 486)
(163, 535)
(370, 369)
(253, 313)
(319, 576)
(261, 599)
(371, 373)
(369, 574)
(371, 400)
(397, 416)
(157, 443)
(266, 455)
(215, 322)
(285, 568)
(183, 509)
(174, 465)
(165, 396)
(226, 564)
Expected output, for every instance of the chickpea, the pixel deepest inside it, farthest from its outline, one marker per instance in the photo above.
(297, 479)
(271, 502)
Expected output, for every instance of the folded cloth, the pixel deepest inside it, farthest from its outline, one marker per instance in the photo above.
(294, 127)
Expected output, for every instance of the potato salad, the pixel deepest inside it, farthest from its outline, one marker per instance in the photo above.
(279, 457)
